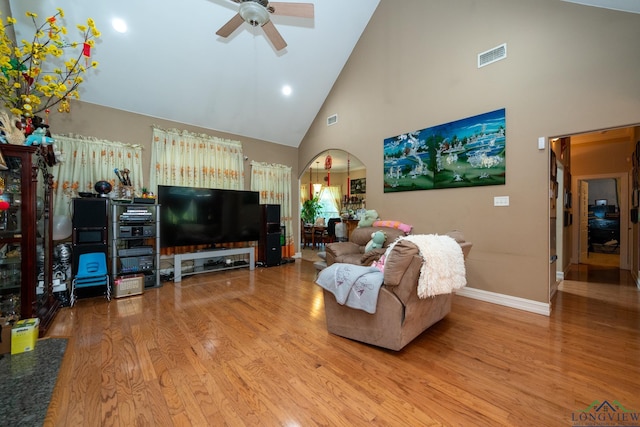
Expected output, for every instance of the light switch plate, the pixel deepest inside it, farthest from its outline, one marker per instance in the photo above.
(501, 201)
(541, 143)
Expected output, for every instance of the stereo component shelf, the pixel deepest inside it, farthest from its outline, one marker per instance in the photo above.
(135, 242)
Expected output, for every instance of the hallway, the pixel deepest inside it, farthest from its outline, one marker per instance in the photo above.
(606, 296)
(592, 274)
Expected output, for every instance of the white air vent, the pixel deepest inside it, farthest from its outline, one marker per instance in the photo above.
(492, 55)
(332, 120)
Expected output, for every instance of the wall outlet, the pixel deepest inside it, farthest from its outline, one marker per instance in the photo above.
(501, 201)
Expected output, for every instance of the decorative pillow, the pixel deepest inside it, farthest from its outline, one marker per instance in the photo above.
(394, 224)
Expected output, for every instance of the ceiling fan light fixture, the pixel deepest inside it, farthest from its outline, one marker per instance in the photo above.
(254, 14)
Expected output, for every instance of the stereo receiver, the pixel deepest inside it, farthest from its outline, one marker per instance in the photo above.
(137, 231)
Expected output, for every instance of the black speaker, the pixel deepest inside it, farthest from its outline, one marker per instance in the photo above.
(90, 221)
(90, 212)
(269, 247)
(271, 214)
(273, 251)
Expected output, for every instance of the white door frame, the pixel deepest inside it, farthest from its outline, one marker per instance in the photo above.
(623, 177)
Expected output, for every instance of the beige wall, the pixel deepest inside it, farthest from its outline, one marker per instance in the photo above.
(117, 125)
(604, 156)
(569, 69)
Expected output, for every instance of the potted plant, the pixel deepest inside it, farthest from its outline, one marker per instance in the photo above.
(310, 210)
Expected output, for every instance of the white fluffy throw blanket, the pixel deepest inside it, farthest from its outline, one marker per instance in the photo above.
(443, 268)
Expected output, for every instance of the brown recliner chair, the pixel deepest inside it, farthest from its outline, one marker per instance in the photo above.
(400, 314)
(352, 251)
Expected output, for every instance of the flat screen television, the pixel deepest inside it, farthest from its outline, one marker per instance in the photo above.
(207, 216)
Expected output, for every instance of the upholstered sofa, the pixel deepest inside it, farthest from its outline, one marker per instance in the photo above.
(352, 251)
(400, 314)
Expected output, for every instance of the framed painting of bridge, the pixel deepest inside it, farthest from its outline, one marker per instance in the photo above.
(465, 153)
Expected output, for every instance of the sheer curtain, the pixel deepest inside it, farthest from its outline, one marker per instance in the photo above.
(195, 160)
(335, 193)
(274, 184)
(85, 161)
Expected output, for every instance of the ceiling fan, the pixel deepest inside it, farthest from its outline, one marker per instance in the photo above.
(256, 13)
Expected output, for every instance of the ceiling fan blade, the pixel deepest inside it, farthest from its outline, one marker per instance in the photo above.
(301, 10)
(230, 26)
(274, 36)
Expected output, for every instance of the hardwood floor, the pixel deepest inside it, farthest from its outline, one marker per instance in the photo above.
(250, 348)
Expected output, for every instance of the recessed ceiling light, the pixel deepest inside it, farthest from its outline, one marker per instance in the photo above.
(119, 25)
(286, 90)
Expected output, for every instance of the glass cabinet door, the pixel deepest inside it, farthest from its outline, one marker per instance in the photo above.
(11, 247)
(43, 240)
(25, 236)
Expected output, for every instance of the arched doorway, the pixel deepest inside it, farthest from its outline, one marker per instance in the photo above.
(338, 180)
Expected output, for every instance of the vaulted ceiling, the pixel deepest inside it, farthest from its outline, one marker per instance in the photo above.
(170, 64)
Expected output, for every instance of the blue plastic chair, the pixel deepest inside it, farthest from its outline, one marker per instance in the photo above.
(92, 271)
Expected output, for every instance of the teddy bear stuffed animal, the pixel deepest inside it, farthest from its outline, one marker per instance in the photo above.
(377, 241)
(367, 219)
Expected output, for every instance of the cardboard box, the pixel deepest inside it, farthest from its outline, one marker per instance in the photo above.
(5, 336)
(24, 335)
(128, 285)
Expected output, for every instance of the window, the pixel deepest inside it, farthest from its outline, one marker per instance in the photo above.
(328, 201)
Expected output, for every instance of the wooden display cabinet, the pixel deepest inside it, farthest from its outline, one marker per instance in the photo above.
(25, 236)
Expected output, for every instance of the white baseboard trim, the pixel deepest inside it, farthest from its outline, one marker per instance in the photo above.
(506, 300)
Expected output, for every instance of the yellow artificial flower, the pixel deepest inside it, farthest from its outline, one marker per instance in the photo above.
(27, 84)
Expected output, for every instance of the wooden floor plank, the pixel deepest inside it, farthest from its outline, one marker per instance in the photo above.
(251, 348)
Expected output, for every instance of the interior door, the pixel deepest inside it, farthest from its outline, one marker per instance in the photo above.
(584, 221)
